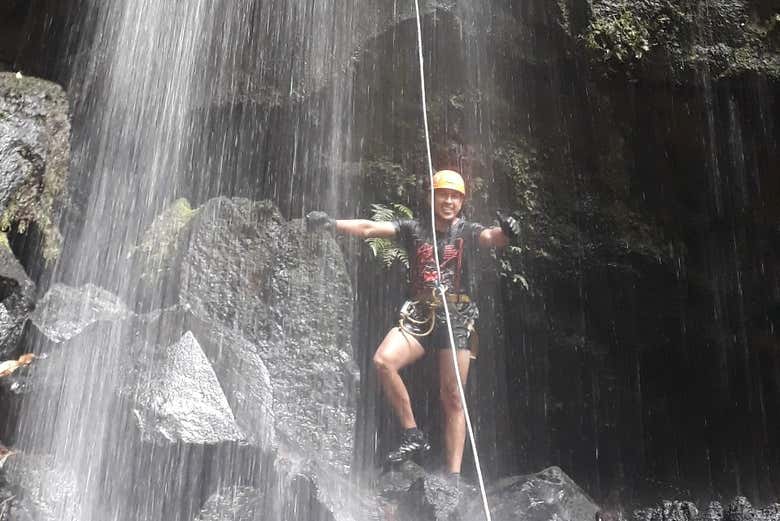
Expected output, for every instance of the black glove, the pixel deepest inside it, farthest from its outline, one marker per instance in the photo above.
(320, 221)
(509, 225)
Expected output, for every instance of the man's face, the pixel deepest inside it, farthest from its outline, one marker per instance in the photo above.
(447, 203)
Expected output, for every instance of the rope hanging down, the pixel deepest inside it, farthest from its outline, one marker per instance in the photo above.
(439, 286)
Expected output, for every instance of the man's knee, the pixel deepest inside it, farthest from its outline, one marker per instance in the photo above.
(382, 364)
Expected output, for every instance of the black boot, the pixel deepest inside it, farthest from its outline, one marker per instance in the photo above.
(414, 442)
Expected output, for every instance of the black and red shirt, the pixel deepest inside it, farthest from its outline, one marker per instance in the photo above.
(456, 249)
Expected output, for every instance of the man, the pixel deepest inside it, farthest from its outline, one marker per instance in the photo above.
(423, 324)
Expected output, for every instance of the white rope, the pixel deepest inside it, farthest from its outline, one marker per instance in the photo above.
(438, 271)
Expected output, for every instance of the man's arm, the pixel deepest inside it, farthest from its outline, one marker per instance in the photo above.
(493, 238)
(365, 228)
(501, 235)
(357, 227)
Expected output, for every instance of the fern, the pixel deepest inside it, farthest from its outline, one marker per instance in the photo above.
(384, 249)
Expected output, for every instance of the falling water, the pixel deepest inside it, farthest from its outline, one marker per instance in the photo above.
(179, 99)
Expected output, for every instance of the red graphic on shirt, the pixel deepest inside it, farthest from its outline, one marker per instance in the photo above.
(424, 268)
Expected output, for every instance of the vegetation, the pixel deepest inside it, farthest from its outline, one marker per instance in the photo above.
(33, 203)
(385, 249)
(622, 38)
(161, 239)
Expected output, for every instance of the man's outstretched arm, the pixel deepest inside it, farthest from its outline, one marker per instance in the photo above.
(499, 236)
(357, 227)
(493, 238)
(365, 228)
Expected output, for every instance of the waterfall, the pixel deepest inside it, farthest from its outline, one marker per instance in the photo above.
(179, 100)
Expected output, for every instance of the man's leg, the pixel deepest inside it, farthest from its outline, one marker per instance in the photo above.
(454, 417)
(396, 351)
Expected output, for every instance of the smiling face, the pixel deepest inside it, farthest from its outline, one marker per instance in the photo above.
(447, 204)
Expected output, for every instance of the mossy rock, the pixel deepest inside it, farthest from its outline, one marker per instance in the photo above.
(34, 158)
(650, 37)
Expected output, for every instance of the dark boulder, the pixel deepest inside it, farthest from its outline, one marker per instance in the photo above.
(17, 300)
(739, 509)
(32, 488)
(657, 37)
(409, 493)
(669, 511)
(544, 496)
(177, 397)
(65, 311)
(248, 270)
(34, 156)
(241, 376)
(234, 504)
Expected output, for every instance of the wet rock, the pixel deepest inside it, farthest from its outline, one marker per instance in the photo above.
(549, 494)
(394, 484)
(234, 504)
(17, 294)
(410, 493)
(714, 511)
(284, 495)
(739, 509)
(65, 311)
(177, 397)
(287, 292)
(669, 511)
(242, 374)
(435, 497)
(33, 489)
(34, 155)
(739, 36)
(155, 256)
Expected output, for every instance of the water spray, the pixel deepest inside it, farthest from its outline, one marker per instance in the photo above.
(439, 287)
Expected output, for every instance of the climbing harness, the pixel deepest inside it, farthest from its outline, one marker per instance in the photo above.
(418, 317)
(439, 287)
(409, 323)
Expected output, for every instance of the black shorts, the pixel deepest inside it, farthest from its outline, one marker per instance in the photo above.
(463, 316)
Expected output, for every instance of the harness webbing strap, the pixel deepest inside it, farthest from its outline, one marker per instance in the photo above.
(439, 286)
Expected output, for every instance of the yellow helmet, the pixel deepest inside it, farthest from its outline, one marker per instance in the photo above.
(449, 179)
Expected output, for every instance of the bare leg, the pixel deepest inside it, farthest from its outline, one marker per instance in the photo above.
(454, 417)
(396, 351)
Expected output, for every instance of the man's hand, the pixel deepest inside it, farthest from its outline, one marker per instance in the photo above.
(316, 221)
(509, 226)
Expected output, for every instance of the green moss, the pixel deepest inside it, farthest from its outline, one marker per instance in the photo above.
(622, 38)
(161, 240)
(389, 178)
(33, 203)
(4, 241)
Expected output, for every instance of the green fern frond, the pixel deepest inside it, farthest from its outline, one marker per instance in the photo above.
(384, 249)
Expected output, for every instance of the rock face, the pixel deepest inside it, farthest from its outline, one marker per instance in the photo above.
(410, 494)
(34, 155)
(248, 270)
(34, 152)
(235, 377)
(32, 489)
(178, 397)
(739, 509)
(235, 504)
(728, 37)
(253, 357)
(17, 300)
(64, 311)
(549, 494)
